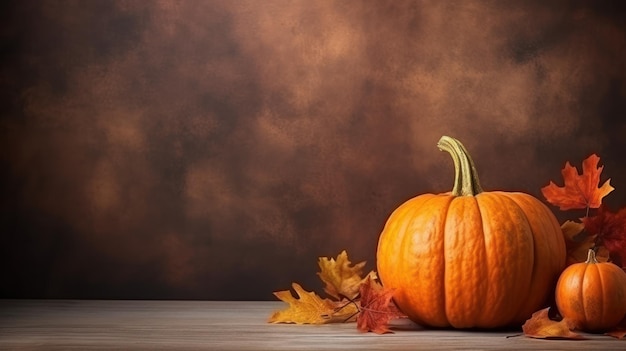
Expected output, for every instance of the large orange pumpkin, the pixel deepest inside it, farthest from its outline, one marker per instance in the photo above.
(592, 294)
(470, 258)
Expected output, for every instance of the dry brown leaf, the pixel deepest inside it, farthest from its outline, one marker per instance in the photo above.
(572, 229)
(540, 326)
(342, 279)
(578, 243)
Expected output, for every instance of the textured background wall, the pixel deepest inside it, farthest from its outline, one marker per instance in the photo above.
(215, 149)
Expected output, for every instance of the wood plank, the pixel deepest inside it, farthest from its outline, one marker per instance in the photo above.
(226, 325)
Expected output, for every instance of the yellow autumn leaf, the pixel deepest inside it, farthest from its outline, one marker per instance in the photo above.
(308, 308)
(342, 279)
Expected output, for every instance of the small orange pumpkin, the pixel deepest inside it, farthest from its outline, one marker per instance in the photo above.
(592, 294)
(470, 258)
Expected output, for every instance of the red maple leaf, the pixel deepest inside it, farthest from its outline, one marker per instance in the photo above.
(377, 309)
(579, 191)
(610, 229)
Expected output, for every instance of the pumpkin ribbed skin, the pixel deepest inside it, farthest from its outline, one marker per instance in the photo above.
(482, 260)
(592, 294)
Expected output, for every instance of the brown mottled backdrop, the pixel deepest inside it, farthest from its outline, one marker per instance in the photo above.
(215, 149)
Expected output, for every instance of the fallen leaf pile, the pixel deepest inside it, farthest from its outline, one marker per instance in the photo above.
(353, 297)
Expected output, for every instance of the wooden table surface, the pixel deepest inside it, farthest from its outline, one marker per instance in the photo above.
(227, 325)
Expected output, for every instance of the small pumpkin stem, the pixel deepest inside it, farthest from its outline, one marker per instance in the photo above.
(591, 256)
(465, 176)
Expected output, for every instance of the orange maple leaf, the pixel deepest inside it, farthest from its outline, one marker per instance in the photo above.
(540, 326)
(341, 278)
(377, 309)
(310, 308)
(579, 191)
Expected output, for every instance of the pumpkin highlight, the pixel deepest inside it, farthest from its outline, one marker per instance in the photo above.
(470, 258)
(592, 294)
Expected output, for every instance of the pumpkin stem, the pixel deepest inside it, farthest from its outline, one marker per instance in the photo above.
(465, 176)
(591, 256)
